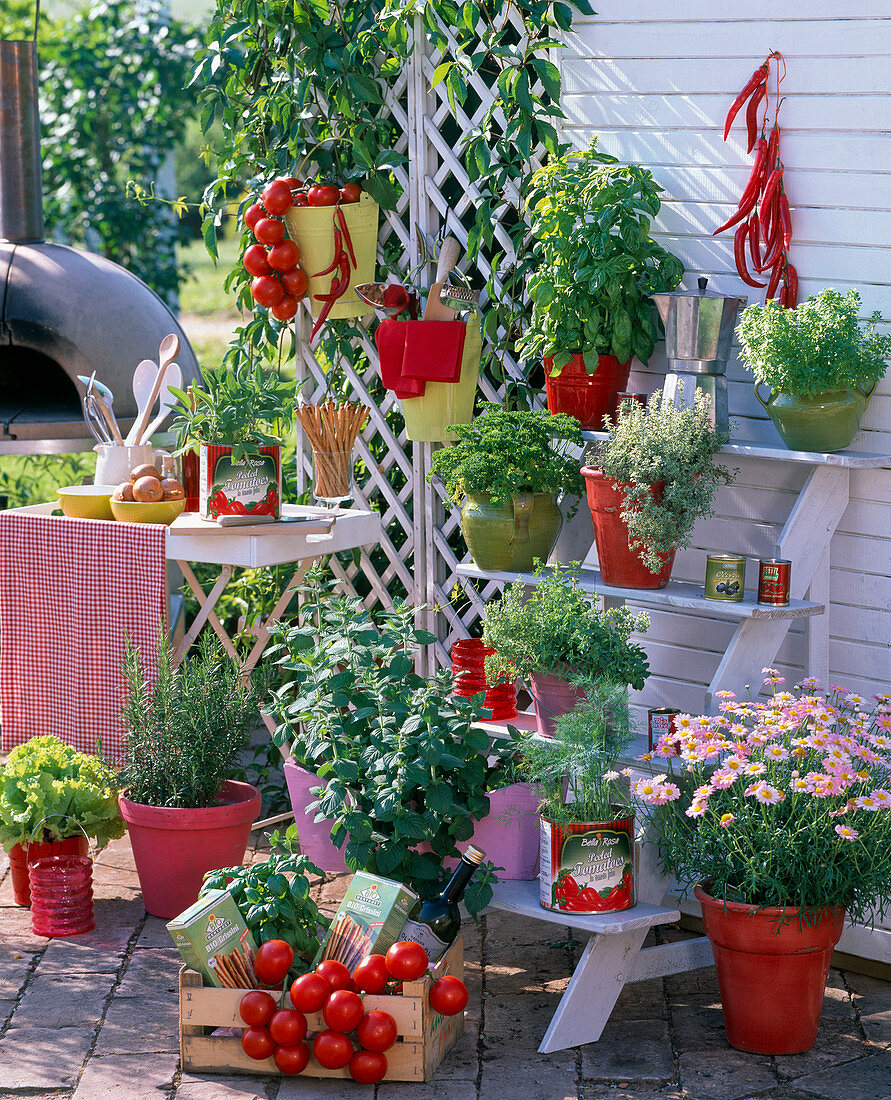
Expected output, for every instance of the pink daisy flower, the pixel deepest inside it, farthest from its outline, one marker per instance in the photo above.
(846, 832)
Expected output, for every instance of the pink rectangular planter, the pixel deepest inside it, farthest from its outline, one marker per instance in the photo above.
(315, 836)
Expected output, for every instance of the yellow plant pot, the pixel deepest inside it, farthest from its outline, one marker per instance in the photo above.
(312, 228)
(444, 403)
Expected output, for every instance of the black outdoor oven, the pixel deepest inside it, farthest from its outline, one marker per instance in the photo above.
(63, 311)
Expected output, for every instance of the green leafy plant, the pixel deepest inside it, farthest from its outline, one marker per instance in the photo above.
(399, 758)
(596, 264)
(503, 453)
(186, 727)
(45, 778)
(557, 628)
(817, 348)
(274, 897)
(662, 444)
(779, 803)
(576, 772)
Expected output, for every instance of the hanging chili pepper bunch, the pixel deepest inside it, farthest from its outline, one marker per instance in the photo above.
(279, 283)
(339, 269)
(764, 231)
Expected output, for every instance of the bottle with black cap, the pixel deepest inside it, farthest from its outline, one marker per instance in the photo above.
(435, 923)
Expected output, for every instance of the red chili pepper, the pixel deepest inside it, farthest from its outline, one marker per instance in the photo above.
(773, 151)
(755, 241)
(770, 187)
(753, 183)
(341, 217)
(326, 309)
(774, 249)
(739, 255)
(785, 221)
(752, 115)
(743, 212)
(338, 286)
(759, 76)
(774, 280)
(791, 287)
(338, 252)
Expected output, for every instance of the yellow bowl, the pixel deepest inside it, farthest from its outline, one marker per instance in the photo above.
(86, 501)
(159, 511)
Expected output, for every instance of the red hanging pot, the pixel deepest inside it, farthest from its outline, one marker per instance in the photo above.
(620, 566)
(468, 665)
(772, 982)
(61, 895)
(20, 857)
(587, 397)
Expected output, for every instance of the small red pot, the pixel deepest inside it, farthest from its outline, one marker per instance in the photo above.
(19, 858)
(772, 983)
(619, 564)
(587, 397)
(468, 665)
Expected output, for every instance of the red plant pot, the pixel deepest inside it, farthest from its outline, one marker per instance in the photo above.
(174, 848)
(468, 665)
(19, 858)
(619, 564)
(771, 983)
(587, 397)
(61, 895)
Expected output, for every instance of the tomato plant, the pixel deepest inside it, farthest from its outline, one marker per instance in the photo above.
(283, 256)
(292, 1060)
(377, 1030)
(350, 192)
(332, 1049)
(448, 996)
(295, 283)
(255, 261)
(407, 960)
(343, 1010)
(273, 961)
(267, 291)
(285, 309)
(257, 1043)
(256, 1008)
(368, 1066)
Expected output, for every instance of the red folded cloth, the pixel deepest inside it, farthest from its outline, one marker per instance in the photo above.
(433, 350)
(390, 339)
(69, 590)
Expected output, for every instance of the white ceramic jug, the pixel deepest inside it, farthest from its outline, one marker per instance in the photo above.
(115, 462)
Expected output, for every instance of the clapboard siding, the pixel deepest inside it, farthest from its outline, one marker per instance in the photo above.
(653, 83)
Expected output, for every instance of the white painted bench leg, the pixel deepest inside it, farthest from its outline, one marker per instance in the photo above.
(606, 964)
(671, 958)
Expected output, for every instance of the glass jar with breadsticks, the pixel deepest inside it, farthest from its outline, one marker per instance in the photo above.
(331, 430)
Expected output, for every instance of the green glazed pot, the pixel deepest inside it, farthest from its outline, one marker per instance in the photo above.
(507, 536)
(824, 423)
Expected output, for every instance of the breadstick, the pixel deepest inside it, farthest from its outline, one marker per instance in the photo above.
(234, 960)
(222, 973)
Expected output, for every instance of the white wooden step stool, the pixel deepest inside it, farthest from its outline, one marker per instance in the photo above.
(612, 957)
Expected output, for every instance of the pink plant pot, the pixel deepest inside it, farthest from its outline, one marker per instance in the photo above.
(315, 836)
(174, 848)
(553, 696)
(510, 834)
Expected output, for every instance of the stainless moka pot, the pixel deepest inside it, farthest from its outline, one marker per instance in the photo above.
(698, 337)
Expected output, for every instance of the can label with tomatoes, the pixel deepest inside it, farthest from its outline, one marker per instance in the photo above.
(774, 579)
(250, 486)
(587, 867)
(660, 720)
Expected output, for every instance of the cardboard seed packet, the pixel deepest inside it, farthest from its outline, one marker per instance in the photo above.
(214, 940)
(369, 919)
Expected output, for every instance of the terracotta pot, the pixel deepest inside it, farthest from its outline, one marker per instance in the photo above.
(315, 836)
(587, 397)
(826, 422)
(507, 537)
(619, 565)
(174, 848)
(552, 696)
(771, 982)
(509, 834)
(19, 859)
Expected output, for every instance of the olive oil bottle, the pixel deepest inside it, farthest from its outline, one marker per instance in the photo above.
(435, 923)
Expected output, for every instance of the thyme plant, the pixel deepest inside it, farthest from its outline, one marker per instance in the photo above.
(817, 348)
(662, 445)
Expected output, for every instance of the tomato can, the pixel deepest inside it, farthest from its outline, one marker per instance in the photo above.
(774, 579)
(587, 867)
(725, 577)
(252, 486)
(660, 720)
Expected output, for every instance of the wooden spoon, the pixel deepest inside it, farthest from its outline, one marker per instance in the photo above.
(143, 380)
(167, 352)
(175, 379)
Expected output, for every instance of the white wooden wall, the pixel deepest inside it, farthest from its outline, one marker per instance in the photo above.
(653, 82)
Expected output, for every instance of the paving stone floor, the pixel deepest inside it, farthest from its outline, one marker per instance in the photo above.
(96, 1016)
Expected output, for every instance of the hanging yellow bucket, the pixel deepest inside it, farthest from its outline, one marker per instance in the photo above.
(444, 403)
(312, 228)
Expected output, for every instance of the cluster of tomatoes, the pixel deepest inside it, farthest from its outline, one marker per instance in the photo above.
(220, 503)
(279, 283)
(330, 989)
(569, 896)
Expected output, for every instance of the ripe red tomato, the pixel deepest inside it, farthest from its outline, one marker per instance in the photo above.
(286, 309)
(293, 183)
(343, 1010)
(292, 1060)
(332, 1049)
(253, 214)
(407, 961)
(309, 992)
(300, 198)
(448, 996)
(284, 255)
(377, 1030)
(368, 1066)
(322, 194)
(295, 283)
(277, 197)
(256, 1008)
(257, 1043)
(255, 262)
(570, 887)
(267, 291)
(288, 1027)
(275, 957)
(336, 973)
(350, 192)
(371, 974)
(268, 231)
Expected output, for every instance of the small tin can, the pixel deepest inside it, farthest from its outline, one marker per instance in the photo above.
(774, 578)
(725, 577)
(660, 720)
(630, 399)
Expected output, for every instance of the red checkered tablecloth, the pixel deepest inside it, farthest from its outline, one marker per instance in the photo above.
(69, 591)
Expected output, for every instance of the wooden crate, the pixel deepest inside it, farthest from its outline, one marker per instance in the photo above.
(425, 1037)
